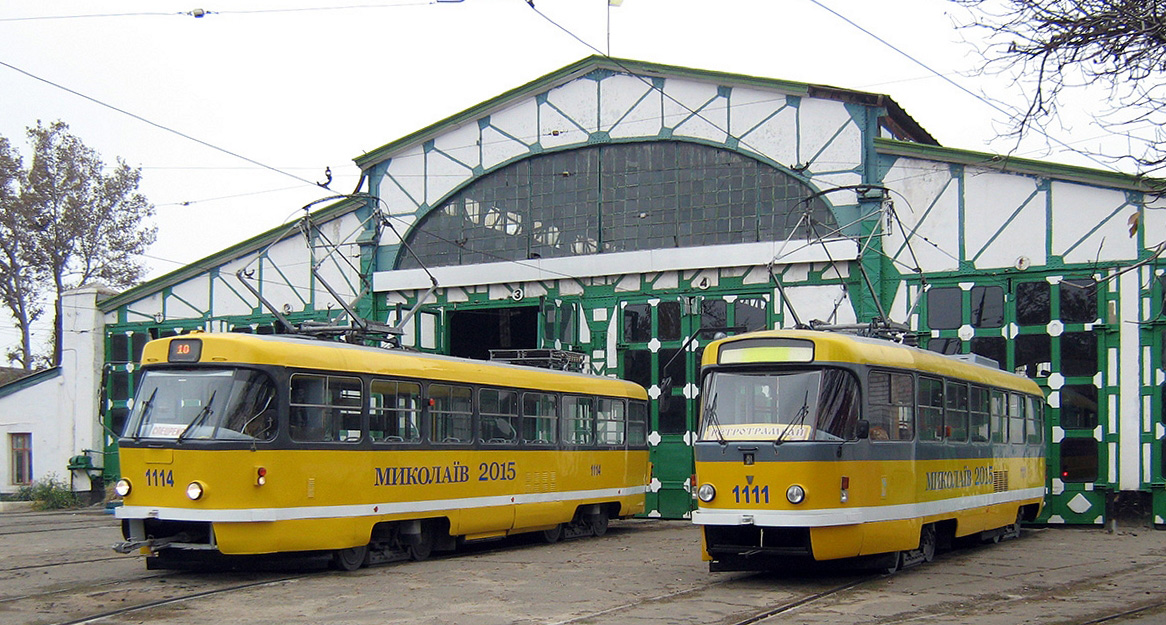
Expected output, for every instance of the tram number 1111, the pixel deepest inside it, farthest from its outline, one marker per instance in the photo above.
(751, 494)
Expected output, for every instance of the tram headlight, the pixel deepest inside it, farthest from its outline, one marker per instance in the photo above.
(194, 491)
(123, 487)
(795, 494)
(706, 492)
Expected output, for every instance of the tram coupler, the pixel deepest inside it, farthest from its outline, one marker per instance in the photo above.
(153, 544)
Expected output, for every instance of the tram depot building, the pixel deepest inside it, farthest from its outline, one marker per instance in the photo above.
(631, 212)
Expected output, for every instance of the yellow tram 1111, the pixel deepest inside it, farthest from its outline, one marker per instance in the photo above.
(822, 446)
(242, 445)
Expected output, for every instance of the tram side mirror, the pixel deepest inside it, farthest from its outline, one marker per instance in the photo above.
(862, 429)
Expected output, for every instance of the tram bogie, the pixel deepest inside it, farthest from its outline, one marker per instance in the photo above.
(825, 447)
(243, 445)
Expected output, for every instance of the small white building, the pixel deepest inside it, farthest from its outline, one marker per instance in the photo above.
(50, 420)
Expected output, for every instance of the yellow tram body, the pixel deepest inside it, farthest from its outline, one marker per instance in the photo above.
(772, 492)
(194, 491)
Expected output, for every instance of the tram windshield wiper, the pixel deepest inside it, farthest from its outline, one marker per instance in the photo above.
(201, 416)
(801, 419)
(710, 415)
(145, 418)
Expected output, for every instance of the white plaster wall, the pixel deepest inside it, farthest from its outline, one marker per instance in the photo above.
(1078, 211)
(990, 198)
(61, 412)
(926, 198)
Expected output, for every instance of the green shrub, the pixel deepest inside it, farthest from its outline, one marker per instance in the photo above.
(51, 493)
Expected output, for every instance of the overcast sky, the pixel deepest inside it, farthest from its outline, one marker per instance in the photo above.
(283, 89)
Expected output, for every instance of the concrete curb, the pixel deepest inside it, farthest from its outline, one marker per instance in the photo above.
(15, 506)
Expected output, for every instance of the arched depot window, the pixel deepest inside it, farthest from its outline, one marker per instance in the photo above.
(616, 198)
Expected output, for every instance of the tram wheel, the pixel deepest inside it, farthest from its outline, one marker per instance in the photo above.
(895, 562)
(553, 535)
(350, 559)
(421, 547)
(927, 543)
(598, 523)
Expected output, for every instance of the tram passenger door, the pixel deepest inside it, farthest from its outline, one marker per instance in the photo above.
(663, 339)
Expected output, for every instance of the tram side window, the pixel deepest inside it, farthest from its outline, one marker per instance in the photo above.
(539, 418)
(998, 414)
(978, 424)
(930, 409)
(956, 420)
(892, 402)
(451, 413)
(637, 424)
(610, 427)
(395, 411)
(1015, 418)
(325, 408)
(1034, 423)
(578, 420)
(499, 416)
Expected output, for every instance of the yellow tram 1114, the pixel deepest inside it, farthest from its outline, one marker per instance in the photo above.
(241, 445)
(822, 446)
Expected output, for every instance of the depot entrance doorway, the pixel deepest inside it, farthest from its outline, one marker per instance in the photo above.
(473, 333)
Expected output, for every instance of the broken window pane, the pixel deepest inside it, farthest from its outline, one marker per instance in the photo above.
(750, 314)
(1033, 355)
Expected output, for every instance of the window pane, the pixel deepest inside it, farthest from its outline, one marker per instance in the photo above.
(1079, 407)
(637, 323)
(499, 411)
(1032, 303)
(637, 367)
(539, 418)
(930, 400)
(714, 317)
(668, 321)
(1033, 355)
(956, 420)
(945, 346)
(638, 424)
(1078, 460)
(394, 412)
(750, 314)
(610, 426)
(944, 308)
(998, 415)
(978, 425)
(987, 306)
(450, 413)
(1015, 418)
(993, 347)
(673, 415)
(892, 404)
(1034, 420)
(1079, 353)
(578, 420)
(1078, 301)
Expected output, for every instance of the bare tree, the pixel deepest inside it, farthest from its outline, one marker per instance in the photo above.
(1050, 47)
(74, 224)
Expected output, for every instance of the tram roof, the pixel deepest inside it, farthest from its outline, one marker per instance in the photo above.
(301, 352)
(847, 348)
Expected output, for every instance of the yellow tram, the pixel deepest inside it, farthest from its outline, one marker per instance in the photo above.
(823, 446)
(240, 445)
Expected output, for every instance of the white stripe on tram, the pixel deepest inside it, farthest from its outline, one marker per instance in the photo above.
(363, 510)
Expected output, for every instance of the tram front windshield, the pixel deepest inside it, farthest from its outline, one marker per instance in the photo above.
(214, 404)
(780, 406)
